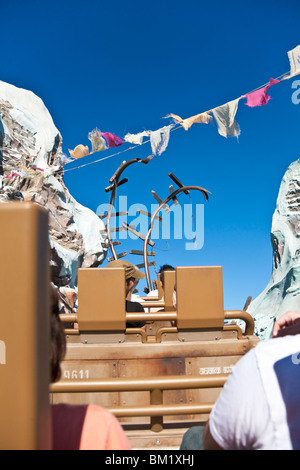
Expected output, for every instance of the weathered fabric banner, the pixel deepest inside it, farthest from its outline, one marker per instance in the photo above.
(112, 139)
(159, 139)
(294, 58)
(260, 97)
(224, 115)
(203, 118)
(79, 151)
(98, 142)
(136, 138)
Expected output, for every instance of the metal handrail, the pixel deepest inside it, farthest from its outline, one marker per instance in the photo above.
(139, 384)
(155, 385)
(130, 317)
(241, 315)
(161, 410)
(68, 317)
(172, 316)
(151, 316)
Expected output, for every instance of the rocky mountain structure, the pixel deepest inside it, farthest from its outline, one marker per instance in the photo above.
(283, 290)
(31, 169)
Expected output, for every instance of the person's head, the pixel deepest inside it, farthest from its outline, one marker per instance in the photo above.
(58, 340)
(165, 267)
(132, 274)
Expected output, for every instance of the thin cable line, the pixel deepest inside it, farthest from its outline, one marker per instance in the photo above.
(63, 170)
(111, 156)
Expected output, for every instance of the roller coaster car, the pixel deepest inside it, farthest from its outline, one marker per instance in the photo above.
(158, 381)
(182, 357)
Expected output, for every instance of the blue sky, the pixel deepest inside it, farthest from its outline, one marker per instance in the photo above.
(123, 66)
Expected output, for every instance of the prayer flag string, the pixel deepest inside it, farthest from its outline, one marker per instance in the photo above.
(224, 116)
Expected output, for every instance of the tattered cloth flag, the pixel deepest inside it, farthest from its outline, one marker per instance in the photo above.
(62, 159)
(79, 151)
(224, 115)
(136, 138)
(159, 139)
(112, 139)
(203, 118)
(98, 142)
(294, 58)
(260, 97)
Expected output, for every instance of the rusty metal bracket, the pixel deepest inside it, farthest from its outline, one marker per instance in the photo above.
(163, 203)
(115, 182)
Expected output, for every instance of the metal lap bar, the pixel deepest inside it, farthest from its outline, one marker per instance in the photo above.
(155, 385)
(169, 316)
(155, 316)
(232, 315)
(131, 317)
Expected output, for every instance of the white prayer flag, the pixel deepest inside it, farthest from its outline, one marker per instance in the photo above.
(136, 138)
(224, 115)
(159, 139)
(294, 58)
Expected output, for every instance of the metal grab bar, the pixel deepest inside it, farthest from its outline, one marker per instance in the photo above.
(172, 316)
(155, 385)
(241, 315)
(130, 317)
(137, 331)
(172, 382)
(161, 410)
(234, 328)
(151, 316)
(153, 303)
(68, 317)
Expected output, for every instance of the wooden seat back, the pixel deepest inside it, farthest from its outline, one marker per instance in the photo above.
(101, 299)
(199, 292)
(24, 327)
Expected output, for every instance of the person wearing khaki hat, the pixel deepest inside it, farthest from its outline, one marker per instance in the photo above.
(132, 277)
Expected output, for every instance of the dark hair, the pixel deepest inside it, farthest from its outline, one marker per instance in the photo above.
(163, 268)
(58, 340)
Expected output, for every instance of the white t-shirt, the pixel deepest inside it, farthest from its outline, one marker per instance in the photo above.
(259, 406)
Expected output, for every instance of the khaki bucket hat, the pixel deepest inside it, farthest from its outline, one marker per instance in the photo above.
(130, 270)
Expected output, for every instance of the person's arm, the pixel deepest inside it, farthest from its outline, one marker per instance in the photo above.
(288, 324)
(208, 441)
(240, 415)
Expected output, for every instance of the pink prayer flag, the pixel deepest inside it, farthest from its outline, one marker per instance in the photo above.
(260, 97)
(112, 139)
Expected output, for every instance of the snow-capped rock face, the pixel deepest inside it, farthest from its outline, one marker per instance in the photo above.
(283, 291)
(31, 169)
(29, 131)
